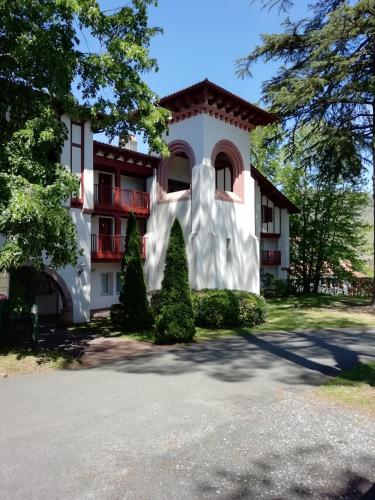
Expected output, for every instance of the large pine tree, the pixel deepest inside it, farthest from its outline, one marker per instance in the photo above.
(326, 82)
(176, 319)
(136, 311)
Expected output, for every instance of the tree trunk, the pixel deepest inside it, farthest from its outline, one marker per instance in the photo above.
(373, 199)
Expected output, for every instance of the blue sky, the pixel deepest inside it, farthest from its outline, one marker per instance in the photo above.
(203, 38)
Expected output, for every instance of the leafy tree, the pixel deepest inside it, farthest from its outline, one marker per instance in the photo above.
(326, 82)
(329, 229)
(50, 52)
(136, 311)
(175, 322)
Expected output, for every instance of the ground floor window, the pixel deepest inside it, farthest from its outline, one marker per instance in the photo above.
(106, 280)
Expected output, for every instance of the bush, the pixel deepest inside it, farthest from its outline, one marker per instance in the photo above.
(252, 310)
(175, 324)
(175, 317)
(215, 308)
(136, 312)
(228, 308)
(274, 287)
(117, 314)
(155, 301)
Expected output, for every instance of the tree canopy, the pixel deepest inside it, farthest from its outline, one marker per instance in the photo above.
(328, 235)
(64, 56)
(325, 84)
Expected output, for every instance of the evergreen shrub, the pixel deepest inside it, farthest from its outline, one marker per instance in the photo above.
(136, 312)
(175, 317)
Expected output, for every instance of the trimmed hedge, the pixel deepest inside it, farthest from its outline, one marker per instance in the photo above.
(228, 308)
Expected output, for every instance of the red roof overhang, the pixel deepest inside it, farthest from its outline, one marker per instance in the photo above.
(117, 157)
(207, 97)
(269, 190)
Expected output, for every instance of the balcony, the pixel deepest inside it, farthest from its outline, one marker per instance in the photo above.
(270, 257)
(125, 200)
(110, 248)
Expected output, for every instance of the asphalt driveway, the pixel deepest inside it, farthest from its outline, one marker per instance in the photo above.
(228, 419)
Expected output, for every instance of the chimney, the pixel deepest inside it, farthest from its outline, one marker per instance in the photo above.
(130, 142)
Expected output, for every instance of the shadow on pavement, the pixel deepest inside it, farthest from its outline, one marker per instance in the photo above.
(296, 358)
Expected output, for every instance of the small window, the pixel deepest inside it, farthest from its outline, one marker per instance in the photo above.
(267, 215)
(118, 283)
(77, 133)
(229, 250)
(179, 173)
(106, 284)
(223, 168)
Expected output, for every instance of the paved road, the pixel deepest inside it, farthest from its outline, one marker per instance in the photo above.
(229, 419)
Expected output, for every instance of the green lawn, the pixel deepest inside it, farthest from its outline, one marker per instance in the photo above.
(355, 387)
(314, 312)
(284, 314)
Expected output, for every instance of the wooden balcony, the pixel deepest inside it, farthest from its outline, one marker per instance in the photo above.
(125, 200)
(270, 257)
(110, 248)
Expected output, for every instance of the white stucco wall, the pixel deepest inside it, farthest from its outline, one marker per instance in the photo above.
(99, 301)
(79, 282)
(209, 225)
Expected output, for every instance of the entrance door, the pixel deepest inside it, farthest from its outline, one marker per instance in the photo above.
(105, 188)
(105, 234)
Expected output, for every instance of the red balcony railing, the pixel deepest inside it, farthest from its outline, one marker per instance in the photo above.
(111, 247)
(104, 195)
(107, 244)
(126, 199)
(270, 257)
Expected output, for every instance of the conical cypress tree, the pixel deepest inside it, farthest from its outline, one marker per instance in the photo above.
(136, 310)
(176, 319)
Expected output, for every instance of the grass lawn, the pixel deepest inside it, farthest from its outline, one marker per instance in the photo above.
(26, 361)
(284, 314)
(355, 387)
(317, 312)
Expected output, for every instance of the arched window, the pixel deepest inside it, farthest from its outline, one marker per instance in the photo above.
(179, 172)
(227, 161)
(174, 173)
(223, 173)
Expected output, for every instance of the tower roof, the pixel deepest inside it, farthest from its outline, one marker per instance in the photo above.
(207, 97)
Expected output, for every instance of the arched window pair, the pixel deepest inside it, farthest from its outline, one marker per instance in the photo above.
(175, 172)
(179, 173)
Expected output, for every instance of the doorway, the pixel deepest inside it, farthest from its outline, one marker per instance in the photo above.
(106, 234)
(105, 189)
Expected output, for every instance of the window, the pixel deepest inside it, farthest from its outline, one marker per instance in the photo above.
(179, 173)
(223, 168)
(118, 283)
(267, 215)
(77, 151)
(106, 284)
(229, 250)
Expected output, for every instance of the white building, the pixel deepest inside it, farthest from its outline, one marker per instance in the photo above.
(234, 220)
